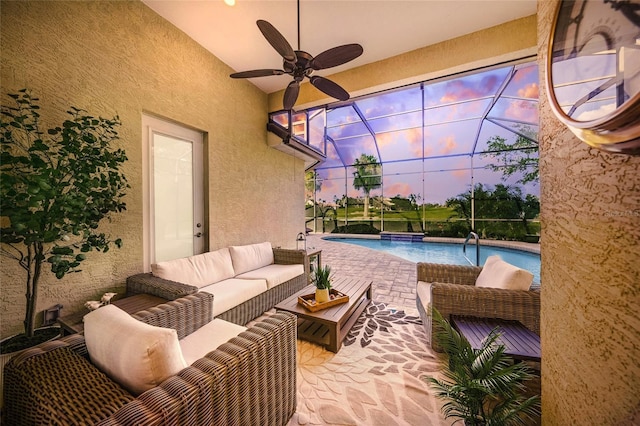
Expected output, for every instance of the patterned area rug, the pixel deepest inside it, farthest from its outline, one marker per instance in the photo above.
(375, 378)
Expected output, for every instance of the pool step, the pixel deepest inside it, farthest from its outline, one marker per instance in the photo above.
(404, 236)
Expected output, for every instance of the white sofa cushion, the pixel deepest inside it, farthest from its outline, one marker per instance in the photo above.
(250, 257)
(275, 274)
(423, 291)
(199, 270)
(232, 292)
(496, 273)
(207, 338)
(138, 356)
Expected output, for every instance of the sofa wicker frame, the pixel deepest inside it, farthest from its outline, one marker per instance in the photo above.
(453, 292)
(242, 313)
(249, 380)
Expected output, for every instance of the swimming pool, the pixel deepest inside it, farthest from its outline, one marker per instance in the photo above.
(449, 253)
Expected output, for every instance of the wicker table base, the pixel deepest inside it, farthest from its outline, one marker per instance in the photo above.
(329, 327)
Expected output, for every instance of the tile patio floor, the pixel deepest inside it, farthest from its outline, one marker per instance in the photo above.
(394, 279)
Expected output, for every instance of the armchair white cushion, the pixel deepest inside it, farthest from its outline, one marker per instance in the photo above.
(138, 356)
(496, 273)
(207, 338)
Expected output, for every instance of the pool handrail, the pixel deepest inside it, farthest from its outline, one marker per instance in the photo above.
(464, 248)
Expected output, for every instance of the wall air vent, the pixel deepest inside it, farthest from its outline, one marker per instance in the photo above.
(280, 138)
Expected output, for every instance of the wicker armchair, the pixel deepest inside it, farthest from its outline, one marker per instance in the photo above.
(451, 290)
(250, 380)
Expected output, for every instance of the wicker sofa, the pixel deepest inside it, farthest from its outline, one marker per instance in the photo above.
(451, 290)
(249, 380)
(241, 293)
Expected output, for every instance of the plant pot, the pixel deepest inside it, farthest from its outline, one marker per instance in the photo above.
(322, 295)
(5, 357)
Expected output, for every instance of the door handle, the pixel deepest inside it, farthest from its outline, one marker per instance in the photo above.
(199, 234)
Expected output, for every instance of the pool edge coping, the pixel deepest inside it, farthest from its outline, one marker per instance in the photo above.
(516, 245)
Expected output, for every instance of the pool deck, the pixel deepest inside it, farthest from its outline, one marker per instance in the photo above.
(394, 278)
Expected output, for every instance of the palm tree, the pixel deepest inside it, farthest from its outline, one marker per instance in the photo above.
(368, 176)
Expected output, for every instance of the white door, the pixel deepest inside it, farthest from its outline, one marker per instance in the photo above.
(174, 191)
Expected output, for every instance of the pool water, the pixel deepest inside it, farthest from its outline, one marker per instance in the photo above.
(450, 253)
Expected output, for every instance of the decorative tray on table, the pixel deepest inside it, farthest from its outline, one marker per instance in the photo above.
(309, 300)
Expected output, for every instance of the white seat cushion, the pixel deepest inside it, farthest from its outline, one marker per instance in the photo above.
(250, 257)
(200, 270)
(232, 292)
(423, 292)
(207, 338)
(496, 273)
(138, 356)
(274, 274)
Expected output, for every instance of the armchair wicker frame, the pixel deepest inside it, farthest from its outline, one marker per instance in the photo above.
(453, 292)
(249, 380)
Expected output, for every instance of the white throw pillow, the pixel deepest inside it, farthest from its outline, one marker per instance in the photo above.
(138, 356)
(496, 273)
(250, 257)
(199, 270)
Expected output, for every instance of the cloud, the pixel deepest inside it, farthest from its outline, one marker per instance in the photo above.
(595, 113)
(531, 90)
(447, 144)
(526, 111)
(399, 188)
(524, 73)
(456, 90)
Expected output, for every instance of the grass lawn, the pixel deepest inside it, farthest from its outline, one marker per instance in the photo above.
(430, 214)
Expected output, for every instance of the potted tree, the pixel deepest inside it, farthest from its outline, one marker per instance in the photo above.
(483, 387)
(55, 189)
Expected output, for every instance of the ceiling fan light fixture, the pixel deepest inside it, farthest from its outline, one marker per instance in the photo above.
(230, 2)
(300, 64)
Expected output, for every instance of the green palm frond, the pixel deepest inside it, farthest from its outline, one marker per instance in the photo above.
(481, 386)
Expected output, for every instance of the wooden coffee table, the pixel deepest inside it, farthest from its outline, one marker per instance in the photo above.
(520, 342)
(328, 327)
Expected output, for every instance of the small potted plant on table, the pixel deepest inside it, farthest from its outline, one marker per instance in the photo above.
(322, 281)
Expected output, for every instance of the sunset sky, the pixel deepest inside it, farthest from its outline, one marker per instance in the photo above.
(435, 129)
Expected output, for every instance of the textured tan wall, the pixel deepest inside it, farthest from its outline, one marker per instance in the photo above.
(121, 58)
(504, 42)
(591, 294)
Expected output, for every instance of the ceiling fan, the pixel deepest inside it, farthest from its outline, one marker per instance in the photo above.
(300, 64)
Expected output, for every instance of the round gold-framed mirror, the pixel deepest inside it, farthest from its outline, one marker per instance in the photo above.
(593, 72)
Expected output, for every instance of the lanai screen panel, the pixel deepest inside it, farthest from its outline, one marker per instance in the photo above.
(435, 140)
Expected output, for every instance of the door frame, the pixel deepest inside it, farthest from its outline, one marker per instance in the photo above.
(153, 124)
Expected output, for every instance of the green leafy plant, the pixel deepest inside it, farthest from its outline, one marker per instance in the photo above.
(515, 158)
(322, 277)
(483, 387)
(55, 189)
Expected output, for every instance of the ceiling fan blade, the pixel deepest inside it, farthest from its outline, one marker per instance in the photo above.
(329, 87)
(277, 40)
(256, 73)
(291, 95)
(336, 56)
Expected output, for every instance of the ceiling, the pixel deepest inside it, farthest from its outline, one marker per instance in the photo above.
(384, 28)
